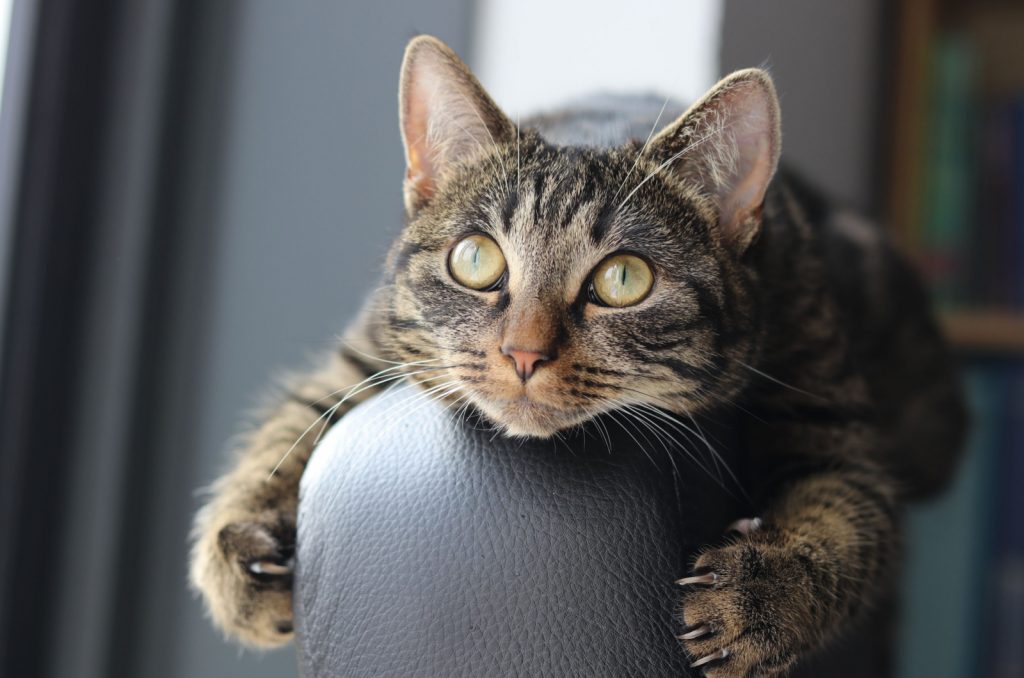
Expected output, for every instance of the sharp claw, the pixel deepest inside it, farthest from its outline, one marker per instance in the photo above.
(272, 568)
(709, 578)
(696, 633)
(746, 525)
(721, 654)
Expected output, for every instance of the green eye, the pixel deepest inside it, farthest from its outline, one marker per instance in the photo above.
(622, 280)
(476, 262)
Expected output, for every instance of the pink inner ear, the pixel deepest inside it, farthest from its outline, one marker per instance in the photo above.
(751, 110)
(419, 173)
(746, 192)
(421, 183)
(446, 117)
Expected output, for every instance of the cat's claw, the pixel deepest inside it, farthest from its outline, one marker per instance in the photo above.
(702, 630)
(707, 659)
(709, 578)
(746, 526)
(272, 568)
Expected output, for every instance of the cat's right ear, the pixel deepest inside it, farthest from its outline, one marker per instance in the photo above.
(727, 146)
(446, 117)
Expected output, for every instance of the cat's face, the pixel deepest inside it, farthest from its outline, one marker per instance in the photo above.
(545, 285)
(546, 234)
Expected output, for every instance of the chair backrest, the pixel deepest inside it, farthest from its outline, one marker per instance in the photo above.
(431, 547)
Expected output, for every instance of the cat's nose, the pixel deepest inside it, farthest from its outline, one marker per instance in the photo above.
(525, 361)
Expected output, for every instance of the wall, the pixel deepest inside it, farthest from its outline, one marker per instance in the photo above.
(827, 60)
(532, 54)
(310, 196)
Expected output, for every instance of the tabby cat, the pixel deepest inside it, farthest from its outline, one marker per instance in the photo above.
(584, 260)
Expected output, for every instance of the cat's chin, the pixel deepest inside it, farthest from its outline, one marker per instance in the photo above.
(528, 418)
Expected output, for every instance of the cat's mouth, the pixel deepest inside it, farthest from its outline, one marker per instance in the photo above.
(526, 415)
(537, 406)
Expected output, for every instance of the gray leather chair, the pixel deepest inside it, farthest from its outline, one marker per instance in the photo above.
(431, 547)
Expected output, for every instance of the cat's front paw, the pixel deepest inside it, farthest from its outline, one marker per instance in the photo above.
(749, 606)
(244, 571)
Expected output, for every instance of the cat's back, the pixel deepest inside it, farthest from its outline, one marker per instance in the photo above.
(892, 332)
(606, 120)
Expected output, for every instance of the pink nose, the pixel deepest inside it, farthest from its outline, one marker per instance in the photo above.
(526, 361)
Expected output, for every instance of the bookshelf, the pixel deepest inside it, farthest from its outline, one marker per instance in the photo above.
(995, 31)
(954, 154)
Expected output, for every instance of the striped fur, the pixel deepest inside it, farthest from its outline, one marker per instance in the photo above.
(801, 318)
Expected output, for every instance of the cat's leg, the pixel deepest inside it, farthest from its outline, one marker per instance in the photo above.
(780, 588)
(907, 363)
(244, 537)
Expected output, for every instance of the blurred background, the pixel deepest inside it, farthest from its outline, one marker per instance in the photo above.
(195, 193)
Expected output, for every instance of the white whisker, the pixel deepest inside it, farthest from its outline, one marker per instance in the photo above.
(373, 381)
(494, 144)
(640, 446)
(379, 359)
(643, 148)
(668, 162)
(777, 381)
(715, 455)
(519, 165)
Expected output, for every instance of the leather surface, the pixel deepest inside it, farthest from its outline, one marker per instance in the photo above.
(432, 548)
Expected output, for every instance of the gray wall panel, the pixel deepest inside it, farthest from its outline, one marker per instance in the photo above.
(826, 60)
(311, 196)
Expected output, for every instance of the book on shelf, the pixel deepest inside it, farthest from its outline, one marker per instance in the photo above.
(966, 177)
(948, 187)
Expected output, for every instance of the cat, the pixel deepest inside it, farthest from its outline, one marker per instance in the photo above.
(552, 271)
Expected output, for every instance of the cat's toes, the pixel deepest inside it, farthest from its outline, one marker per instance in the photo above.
(260, 549)
(244, 571)
(721, 641)
(712, 625)
(732, 610)
(263, 551)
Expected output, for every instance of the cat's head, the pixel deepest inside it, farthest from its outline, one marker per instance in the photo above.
(546, 284)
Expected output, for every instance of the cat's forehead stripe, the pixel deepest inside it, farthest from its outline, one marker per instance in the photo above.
(563, 199)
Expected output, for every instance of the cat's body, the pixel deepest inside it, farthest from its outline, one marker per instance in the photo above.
(764, 299)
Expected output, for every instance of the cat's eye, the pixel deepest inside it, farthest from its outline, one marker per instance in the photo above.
(622, 280)
(476, 262)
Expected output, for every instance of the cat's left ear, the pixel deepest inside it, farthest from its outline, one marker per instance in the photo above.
(727, 145)
(446, 117)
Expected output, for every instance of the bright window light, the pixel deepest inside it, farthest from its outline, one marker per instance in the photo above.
(533, 54)
(5, 33)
